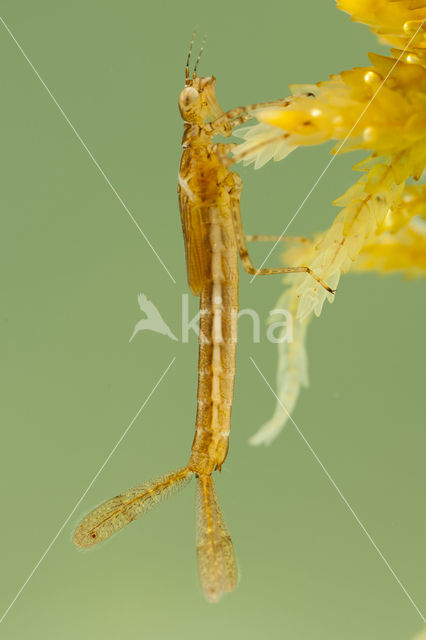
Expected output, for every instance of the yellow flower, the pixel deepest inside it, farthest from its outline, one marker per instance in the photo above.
(393, 21)
(362, 109)
(382, 109)
(365, 105)
(403, 252)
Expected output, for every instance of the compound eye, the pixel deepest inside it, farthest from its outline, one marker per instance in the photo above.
(188, 96)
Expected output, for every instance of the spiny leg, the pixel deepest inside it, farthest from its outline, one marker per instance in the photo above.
(222, 149)
(266, 272)
(263, 238)
(224, 125)
(239, 115)
(242, 247)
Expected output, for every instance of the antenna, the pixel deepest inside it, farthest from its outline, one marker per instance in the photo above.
(194, 75)
(189, 56)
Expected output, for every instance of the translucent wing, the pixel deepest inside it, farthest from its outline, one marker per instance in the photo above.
(111, 516)
(217, 566)
(195, 237)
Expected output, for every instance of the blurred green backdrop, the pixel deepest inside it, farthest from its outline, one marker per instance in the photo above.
(72, 264)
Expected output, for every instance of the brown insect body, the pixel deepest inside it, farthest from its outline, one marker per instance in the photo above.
(209, 198)
(206, 197)
(207, 192)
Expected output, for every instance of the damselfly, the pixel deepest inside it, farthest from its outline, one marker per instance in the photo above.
(209, 198)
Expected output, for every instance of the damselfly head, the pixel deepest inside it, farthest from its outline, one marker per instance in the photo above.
(197, 100)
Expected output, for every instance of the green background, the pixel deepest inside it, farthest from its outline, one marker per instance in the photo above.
(72, 264)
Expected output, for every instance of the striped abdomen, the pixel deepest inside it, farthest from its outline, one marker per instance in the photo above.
(217, 346)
